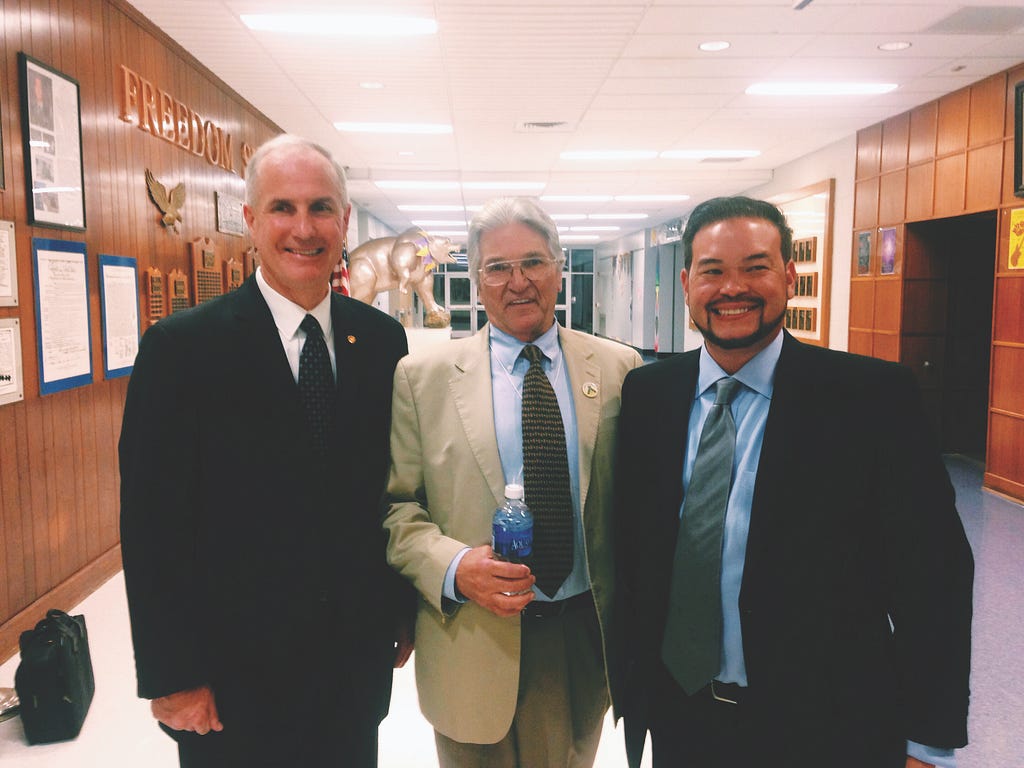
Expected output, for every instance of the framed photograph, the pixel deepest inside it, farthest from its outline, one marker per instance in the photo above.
(52, 129)
(863, 253)
(887, 251)
(1018, 136)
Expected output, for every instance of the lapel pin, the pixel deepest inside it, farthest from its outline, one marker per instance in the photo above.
(351, 339)
(589, 389)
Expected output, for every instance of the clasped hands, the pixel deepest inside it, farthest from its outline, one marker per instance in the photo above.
(501, 587)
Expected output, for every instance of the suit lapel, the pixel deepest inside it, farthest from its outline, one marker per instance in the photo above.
(470, 387)
(584, 376)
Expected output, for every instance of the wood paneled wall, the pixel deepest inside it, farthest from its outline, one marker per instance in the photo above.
(946, 158)
(58, 453)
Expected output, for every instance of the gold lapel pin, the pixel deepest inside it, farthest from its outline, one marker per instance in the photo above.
(351, 339)
(589, 389)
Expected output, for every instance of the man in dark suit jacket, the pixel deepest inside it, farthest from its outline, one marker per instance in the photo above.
(845, 573)
(264, 616)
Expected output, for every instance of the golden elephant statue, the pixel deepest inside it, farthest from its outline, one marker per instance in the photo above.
(405, 261)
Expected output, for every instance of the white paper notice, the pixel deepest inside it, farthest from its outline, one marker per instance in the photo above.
(121, 310)
(6, 265)
(9, 383)
(63, 315)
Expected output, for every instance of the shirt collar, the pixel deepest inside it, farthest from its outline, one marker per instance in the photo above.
(288, 315)
(507, 348)
(758, 374)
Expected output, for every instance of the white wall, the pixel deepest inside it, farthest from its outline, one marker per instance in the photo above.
(836, 161)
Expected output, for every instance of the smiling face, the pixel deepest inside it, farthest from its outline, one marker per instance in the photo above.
(737, 288)
(521, 308)
(298, 223)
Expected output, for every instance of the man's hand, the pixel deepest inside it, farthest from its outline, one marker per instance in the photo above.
(403, 644)
(502, 588)
(913, 762)
(191, 710)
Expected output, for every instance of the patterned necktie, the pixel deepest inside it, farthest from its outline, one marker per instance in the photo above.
(546, 477)
(692, 645)
(316, 382)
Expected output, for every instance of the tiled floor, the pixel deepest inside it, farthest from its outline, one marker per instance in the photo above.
(120, 734)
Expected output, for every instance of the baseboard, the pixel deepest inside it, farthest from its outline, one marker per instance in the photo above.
(65, 596)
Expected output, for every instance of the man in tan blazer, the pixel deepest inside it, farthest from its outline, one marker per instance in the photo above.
(509, 673)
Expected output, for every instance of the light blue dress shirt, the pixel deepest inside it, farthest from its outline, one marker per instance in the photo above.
(750, 412)
(507, 372)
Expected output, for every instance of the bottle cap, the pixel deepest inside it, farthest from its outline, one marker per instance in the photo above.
(513, 491)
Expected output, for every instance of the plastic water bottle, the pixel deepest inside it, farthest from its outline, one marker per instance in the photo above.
(512, 529)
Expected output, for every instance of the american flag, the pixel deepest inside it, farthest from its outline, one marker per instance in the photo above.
(339, 278)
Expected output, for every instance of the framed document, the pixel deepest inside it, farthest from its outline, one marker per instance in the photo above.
(8, 266)
(12, 386)
(51, 128)
(119, 302)
(62, 314)
(1018, 136)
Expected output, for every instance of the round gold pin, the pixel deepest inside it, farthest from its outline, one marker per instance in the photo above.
(351, 339)
(589, 389)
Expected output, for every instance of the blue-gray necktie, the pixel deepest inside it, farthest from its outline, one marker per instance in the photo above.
(692, 645)
(316, 382)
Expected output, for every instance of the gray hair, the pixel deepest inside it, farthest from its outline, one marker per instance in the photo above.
(510, 210)
(281, 143)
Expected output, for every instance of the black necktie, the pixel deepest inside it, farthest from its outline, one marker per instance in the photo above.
(692, 645)
(316, 382)
(546, 477)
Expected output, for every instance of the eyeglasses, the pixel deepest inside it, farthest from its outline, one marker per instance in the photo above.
(498, 273)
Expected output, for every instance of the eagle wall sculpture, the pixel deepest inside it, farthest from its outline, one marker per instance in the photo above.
(169, 204)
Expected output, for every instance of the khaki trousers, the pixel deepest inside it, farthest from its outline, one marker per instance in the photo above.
(563, 697)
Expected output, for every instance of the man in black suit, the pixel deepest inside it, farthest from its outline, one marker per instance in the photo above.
(835, 627)
(264, 617)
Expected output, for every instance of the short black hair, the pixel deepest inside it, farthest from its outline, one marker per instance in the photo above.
(721, 208)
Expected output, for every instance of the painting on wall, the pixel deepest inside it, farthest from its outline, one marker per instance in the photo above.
(887, 251)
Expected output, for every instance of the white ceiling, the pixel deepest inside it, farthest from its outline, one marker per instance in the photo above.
(621, 74)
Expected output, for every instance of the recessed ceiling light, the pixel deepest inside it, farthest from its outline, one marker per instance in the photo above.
(595, 228)
(371, 85)
(580, 238)
(432, 128)
(714, 45)
(709, 154)
(568, 216)
(341, 24)
(899, 45)
(819, 89)
(610, 154)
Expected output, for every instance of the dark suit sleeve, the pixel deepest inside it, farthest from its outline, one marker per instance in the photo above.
(930, 571)
(159, 478)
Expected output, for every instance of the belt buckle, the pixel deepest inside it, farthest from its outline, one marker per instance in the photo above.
(716, 697)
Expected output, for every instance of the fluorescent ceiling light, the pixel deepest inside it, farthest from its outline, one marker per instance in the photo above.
(819, 89)
(568, 216)
(898, 45)
(521, 185)
(433, 208)
(709, 154)
(595, 229)
(576, 198)
(605, 216)
(440, 222)
(430, 128)
(580, 238)
(340, 24)
(447, 233)
(651, 198)
(371, 85)
(446, 185)
(714, 45)
(610, 154)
